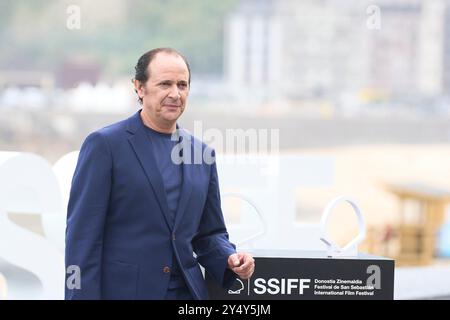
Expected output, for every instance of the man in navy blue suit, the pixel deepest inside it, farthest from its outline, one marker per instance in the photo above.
(140, 222)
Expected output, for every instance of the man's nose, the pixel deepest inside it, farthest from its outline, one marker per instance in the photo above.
(174, 92)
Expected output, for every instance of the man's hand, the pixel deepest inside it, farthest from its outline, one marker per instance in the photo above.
(242, 264)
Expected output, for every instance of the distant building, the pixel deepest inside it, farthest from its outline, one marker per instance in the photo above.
(446, 60)
(252, 49)
(74, 71)
(26, 78)
(314, 48)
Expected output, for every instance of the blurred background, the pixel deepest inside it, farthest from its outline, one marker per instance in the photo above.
(365, 84)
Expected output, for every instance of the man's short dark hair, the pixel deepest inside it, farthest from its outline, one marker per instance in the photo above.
(141, 67)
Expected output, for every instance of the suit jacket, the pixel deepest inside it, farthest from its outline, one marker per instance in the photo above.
(118, 228)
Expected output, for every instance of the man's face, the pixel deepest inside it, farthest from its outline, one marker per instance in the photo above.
(165, 93)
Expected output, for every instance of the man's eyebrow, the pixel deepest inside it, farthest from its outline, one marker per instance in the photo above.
(169, 82)
(164, 81)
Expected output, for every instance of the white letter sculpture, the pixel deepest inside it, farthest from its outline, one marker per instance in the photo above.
(350, 249)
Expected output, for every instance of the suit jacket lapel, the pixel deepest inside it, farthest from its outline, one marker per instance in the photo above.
(141, 146)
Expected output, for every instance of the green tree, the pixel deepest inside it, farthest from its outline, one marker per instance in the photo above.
(34, 35)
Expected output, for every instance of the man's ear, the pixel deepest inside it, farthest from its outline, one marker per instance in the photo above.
(138, 88)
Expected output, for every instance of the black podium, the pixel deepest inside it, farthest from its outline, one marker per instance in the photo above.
(299, 275)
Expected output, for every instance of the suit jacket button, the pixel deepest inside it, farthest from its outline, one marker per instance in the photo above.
(166, 269)
(173, 237)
